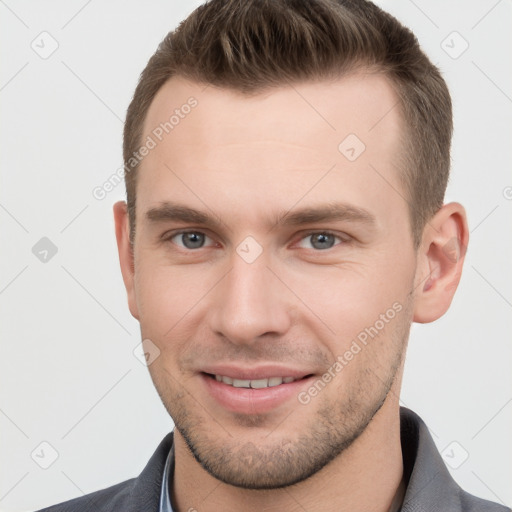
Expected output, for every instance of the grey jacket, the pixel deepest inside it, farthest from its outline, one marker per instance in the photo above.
(430, 487)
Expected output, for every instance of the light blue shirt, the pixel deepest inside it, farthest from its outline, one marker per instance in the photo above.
(165, 498)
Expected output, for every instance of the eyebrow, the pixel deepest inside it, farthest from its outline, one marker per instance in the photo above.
(329, 212)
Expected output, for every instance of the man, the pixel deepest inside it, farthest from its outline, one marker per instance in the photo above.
(285, 165)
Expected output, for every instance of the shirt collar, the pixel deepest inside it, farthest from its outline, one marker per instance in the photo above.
(165, 498)
(425, 475)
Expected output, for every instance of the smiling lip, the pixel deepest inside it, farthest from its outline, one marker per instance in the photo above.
(254, 390)
(253, 373)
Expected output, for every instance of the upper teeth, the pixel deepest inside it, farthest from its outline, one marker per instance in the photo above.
(255, 383)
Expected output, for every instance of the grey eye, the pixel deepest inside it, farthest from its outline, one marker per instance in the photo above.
(322, 240)
(191, 239)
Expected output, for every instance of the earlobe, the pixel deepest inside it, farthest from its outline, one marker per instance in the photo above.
(126, 257)
(440, 261)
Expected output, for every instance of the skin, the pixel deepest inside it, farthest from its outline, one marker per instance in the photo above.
(245, 160)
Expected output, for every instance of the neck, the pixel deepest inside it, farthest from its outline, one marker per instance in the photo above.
(365, 477)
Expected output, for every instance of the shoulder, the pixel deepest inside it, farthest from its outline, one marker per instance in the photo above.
(430, 486)
(134, 495)
(108, 499)
(470, 503)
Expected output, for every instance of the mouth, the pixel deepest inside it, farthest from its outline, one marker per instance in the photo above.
(255, 383)
(257, 395)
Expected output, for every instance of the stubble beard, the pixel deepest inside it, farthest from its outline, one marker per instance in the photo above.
(286, 460)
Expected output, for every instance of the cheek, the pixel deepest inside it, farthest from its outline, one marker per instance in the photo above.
(348, 300)
(167, 296)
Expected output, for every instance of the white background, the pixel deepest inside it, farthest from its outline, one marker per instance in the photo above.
(68, 374)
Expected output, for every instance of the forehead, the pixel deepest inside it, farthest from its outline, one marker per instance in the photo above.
(361, 103)
(274, 146)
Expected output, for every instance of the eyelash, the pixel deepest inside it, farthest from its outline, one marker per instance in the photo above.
(169, 236)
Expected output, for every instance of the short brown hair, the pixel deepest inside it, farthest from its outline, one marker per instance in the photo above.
(253, 45)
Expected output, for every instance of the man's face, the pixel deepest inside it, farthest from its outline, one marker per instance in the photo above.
(259, 293)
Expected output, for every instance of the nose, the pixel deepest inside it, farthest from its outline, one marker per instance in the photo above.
(249, 303)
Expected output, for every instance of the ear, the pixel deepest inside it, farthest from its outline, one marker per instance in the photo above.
(440, 259)
(125, 250)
